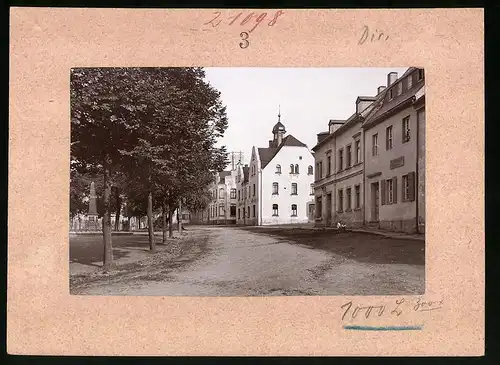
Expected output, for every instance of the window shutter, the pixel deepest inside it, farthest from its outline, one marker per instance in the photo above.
(382, 192)
(411, 186)
(394, 190)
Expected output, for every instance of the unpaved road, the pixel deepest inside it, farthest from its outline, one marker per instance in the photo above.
(219, 261)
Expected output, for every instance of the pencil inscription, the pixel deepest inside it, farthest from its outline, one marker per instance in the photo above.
(372, 36)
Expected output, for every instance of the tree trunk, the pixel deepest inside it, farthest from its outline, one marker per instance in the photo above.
(164, 210)
(171, 223)
(118, 208)
(106, 221)
(152, 246)
(179, 217)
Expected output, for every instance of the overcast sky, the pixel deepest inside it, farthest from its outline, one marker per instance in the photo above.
(309, 98)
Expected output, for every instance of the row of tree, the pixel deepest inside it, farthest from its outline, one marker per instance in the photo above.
(147, 137)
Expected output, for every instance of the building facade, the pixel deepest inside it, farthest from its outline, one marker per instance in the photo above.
(222, 207)
(395, 156)
(370, 168)
(339, 169)
(276, 187)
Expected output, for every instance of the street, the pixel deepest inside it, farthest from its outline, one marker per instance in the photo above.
(231, 261)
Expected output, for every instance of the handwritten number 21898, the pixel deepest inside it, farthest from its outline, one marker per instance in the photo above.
(244, 37)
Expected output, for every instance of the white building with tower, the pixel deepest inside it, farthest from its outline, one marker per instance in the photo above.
(276, 187)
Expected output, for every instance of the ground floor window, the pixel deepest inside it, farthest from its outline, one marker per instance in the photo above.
(233, 210)
(248, 208)
(253, 211)
(221, 210)
(275, 210)
(294, 210)
(348, 198)
(239, 215)
(357, 196)
(340, 206)
(319, 207)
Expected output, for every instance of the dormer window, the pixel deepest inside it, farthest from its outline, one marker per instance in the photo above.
(409, 81)
(391, 96)
(420, 74)
(400, 88)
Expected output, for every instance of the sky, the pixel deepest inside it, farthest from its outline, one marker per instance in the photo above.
(307, 97)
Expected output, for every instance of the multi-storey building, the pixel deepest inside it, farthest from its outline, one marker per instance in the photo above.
(370, 169)
(339, 169)
(222, 207)
(395, 155)
(276, 187)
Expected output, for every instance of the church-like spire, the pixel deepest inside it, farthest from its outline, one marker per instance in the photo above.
(279, 113)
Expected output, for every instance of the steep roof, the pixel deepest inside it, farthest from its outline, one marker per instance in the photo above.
(267, 154)
(278, 126)
(385, 106)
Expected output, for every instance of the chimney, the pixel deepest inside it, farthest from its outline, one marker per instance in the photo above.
(380, 89)
(270, 143)
(391, 78)
(322, 136)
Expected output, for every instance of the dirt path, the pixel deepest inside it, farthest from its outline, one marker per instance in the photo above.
(236, 262)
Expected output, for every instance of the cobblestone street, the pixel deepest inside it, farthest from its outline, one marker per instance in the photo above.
(221, 261)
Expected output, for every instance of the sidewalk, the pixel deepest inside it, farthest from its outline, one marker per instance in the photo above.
(417, 237)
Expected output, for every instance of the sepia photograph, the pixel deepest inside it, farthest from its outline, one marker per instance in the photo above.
(247, 181)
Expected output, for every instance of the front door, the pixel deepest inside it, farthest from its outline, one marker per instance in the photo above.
(375, 201)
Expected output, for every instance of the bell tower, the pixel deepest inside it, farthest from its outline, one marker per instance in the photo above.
(278, 130)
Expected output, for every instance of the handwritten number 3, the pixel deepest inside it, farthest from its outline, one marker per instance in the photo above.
(244, 37)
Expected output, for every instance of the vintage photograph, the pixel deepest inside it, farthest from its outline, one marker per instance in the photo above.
(199, 181)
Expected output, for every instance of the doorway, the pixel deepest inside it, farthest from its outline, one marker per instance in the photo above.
(375, 201)
(328, 208)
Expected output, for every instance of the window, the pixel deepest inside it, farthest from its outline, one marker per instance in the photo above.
(409, 81)
(329, 166)
(233, 210)
(275, 188)
(275, 210)
(406, 129)
(357, 147)
(420, 74)
(221, 210)
(253, 189)
(357, 196)
(278, 169)
(239, 213)
(400, 88)
(300, 157)
(294, 210)
(317, 171)
(253, 211)
(390, 191)
(248, 210)
(341, 159)
(294, 188)
(348, 198)
(221, 193)
(239, 195)
(296, 169)
(340, 207)
(388, 138)
(349, 155)
(233, 193)
(391, 93)
(311, 192)
(409, 187)
(321, 169)
(292, 169)
(309, 170)
(375, 144)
